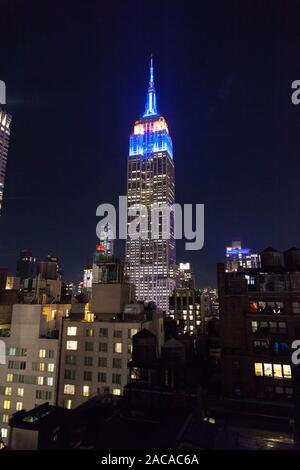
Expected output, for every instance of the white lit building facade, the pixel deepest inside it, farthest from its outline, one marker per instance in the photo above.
(29, 376)
(5, 120)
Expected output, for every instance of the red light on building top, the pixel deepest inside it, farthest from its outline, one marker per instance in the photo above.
(100, 248)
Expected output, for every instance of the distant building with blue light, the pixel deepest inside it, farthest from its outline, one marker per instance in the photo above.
(238, 257)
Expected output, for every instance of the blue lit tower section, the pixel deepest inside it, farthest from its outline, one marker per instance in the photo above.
(150, 264)
(5, 120)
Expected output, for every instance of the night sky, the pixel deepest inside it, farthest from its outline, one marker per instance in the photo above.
(76, 76)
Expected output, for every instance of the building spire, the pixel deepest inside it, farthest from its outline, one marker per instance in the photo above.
(151, 109)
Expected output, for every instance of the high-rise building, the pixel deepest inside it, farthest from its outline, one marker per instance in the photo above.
(107, 268)
(48, 269)
(238, 257)
(209, 302)
(150, 262)
(259, 320)
(185, 309)
(25, 265)
(29, 374)
(5, 120)
(186, 276)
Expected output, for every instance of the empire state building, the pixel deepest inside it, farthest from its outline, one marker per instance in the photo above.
(150, 262)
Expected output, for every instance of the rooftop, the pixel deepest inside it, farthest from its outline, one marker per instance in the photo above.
(41, 416)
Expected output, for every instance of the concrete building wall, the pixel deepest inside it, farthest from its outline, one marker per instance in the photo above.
(111, 298)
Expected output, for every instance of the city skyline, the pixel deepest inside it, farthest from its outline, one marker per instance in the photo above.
(149, 229)
(95, 97)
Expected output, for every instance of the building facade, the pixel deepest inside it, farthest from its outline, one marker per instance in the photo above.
(25, 265)
(186, 276)
(150, 261)
(28, 377)
(185, 309)
(238, 257)
(97, 343)
(5, 121)
(259, 319)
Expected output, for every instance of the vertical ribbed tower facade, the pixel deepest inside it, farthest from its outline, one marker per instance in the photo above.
(150, 263)
(5, 120)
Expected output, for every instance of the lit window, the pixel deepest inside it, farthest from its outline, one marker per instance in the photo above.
(72, 345)
(287, 373)
(8, 391)
(41, 367)
(117, 347)
(132, 332)
(9, 377)
(5, 419)
(86, 391)
(116, 391)
(254, 326)
(3, 432)
(134, 374)
(258, 369)
(72, 331)
(40, 380)
(50, 381)
(69, 389)
(268, 370)
(42, 353)
(20, 392)
(89, 317)
(6, 405)
(50, 367)
(277, 371)
(19, 406)
(68, 404)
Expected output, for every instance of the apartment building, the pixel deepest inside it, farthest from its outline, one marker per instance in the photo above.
(31, 342)
(260, 318)
(97, 342)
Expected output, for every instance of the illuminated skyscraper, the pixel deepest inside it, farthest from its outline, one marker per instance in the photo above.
(5, 120)
(150, 263)
(238, 257)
